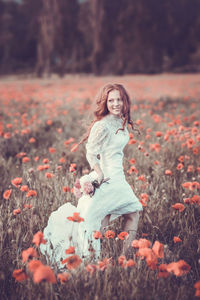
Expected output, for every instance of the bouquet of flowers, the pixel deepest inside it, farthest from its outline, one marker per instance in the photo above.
(87, 185)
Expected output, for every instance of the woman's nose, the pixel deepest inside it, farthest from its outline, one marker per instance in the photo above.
(116, 102)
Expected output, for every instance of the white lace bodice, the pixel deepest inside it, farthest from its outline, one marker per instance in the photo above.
(104, 141)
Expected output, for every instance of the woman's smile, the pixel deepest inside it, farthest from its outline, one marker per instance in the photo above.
(114, 103)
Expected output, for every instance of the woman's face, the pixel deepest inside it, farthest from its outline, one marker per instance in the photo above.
(114, 103)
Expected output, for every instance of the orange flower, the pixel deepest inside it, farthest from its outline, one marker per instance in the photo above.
(72, 168)
(16, 211)
(197, 287)
(70, 140)
(70, 250)
(24, 188)
(63, 277)
(130, 263)
(25, 159)
(76, 217)
(109, 234)
(91, 268)
(179, 206)
(31, 193)
(45, 161)
(28, 253)
(97, 235)
(38, 239)
(190, 169)
(142, 178)
(177, 239)
(179, 268)
(62, 160)
(6, 194)
(33, 265)
(135, 244)
(162, 271)
(150, 257)
(42, 167)
(52, 150)
(44, 273)
(180, 166)
(123, 235)
(28, 206)
(36, 158)
(143, 199)
(20, 275)
(158, 249)
(122, 260)
(31, 140)
(102, 265)
(168, 172)
(21, 154)
(144, 243)
(159, 133)
(16, 181)
(132, 161)
(49, 175)
(66, 189)
(72, 262)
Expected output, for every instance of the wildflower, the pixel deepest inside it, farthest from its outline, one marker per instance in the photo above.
(159, 133)
(70, 140)
(49, 122)
(132, 161)
(109, 234)
(102, 265)
(88, 188)
(179, 206)
(16, 181)
(168, 172)
(63, 277)
(150, 257)
(49, 175)
(179, 166)
(6, 194)
(45, 161)
(66, 189)
(28, 206)
(28, 253)
(44, 273)
(72, 262)
(21, 154)
(32, 140)
(179, 268)
(162, 271)
(91, 268)
(70, 250)
(75, 218)
(143, 199)
(20, 275)
(25, 159)
(130, 263)
(38, 239)
(176, 239)
(7, 135)
(123, 235)
(62, 160)
(97, 235)
(16, 211)
(31, 193)
(197, 287)
(33, 265)
(158, 249)
(72, 167)
(52, 150)
(190, 169)
(24, 188)
(122, 260)
(36, 158)
(142, 178)
(77, 184)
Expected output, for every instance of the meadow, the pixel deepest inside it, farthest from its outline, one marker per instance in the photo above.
(41, 122)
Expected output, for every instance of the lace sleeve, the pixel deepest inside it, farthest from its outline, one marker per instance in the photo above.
(97, 141)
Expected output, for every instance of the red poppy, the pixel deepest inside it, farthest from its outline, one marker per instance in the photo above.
(29, 254)
(130, 263)
(52, 150)
(109, 234)
(6, 194)
(62, 160)
(45, 161)
(16, 211)
(63, 277)
(32, 140)
(197, 287)
(31, 193)
(179, 206)
(25, 159)
(20, 275)
(44, 273)
(38, 239)
(102, 265)
(16, 181)
(72, 262)
(179, 268)
(176, 239)
(70, 250)
(49, 175)
(91, 268)
(158, 249)
(66, 189)
(33, 265)
(97, 235)
(168, 172)
(76, 217)
(24, 188)
(123, 235)
(162, 271)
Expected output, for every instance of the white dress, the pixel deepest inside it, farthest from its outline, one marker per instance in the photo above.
(115, 197)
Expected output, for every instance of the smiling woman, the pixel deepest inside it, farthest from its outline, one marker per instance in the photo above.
(106, 139)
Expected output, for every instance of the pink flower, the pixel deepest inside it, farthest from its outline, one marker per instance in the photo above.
(88, 188)
(77, 193)
(77, 184)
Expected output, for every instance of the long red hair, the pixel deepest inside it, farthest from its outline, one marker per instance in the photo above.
(101, 107)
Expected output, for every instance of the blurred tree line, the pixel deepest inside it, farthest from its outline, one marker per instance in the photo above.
(99, 36)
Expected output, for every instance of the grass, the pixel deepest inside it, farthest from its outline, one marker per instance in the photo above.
(53, 122)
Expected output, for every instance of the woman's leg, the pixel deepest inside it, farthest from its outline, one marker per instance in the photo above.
(130, 226)
(104, 223)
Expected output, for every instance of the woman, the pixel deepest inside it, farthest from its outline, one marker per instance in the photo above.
(106, 140)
